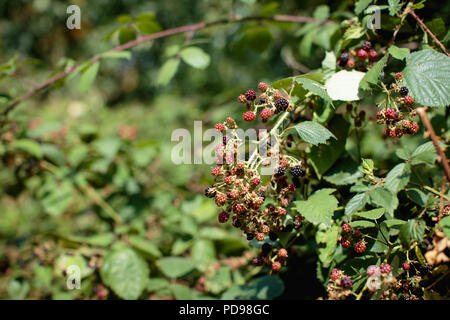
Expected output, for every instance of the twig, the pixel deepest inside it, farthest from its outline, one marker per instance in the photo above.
(442, 158)
(158, 35)
(435, 39)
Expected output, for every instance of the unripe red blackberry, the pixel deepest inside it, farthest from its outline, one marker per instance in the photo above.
(250, 95)
(385, 268)
(279, 172)
(257, 261)
(216, 171)
(406, 266)
(249, 116)
(242, 98)
(231, 123)
(223, 216)
(413, 127)
(373, 55)
(238, 208)
(281, 104)
(232, 194)
(367, 45)
(357, 232)
(256, 181)
(263, 86)
(266, 114)
(346, 228)
(345, 243)
(219, 127)
(399, 76)
(350, 63)
(281, 211)
(408, 100)
(398, 132)
(297, 171)
(403, 91)
(260, 236)
(390, 113)
(360, 247)
(346, 282)
(228, 180)
(335, 274)
(362, 54)
(282, 253)
(276, 266)
(277, 95)
(221, 199)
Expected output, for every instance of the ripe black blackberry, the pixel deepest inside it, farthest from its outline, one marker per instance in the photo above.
(281, 104)
(236, 223)
(279, 172)
(297, 171)
(273, 236)
(262, 195)
(367, 45)
(250, 236)
(343, 59)
(403, 91)
(209, 192)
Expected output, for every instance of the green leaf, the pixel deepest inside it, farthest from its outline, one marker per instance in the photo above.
(384, 198)
(445, 226)
(108, 147)
(203, 252)
(398, 177)
(125, 272)
(417, 196)
(29, 146)
(362, 224)
(394, 6)
(379, 246)
(263, 288)
(175, 267)
(312, 132)
(361, 5)
(126, 35)
(88, 76)
(148, 27)
(145, 245)
(328, 237)
(344, 85)
(195, 57)
(319, 208)
(56, 197)
(181, 292)
(167, 71)
(353, 32)
(372, 76)
(425, 153)
(345, 172)
(314, 87)
(116, 55)
(372, 214)
(18, 290)
(329, 62)
(356, 203)
(323, 157)
(411, 231)
(399, 53)
(157, 284)
(426, 76)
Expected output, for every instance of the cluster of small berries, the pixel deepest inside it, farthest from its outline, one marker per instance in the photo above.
(400, 121)
(359, 57)
(271, 102)
(339, 286)
(352, 235)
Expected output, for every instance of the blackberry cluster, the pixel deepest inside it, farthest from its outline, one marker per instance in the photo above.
(339, 286)
(352, 235)
(361, 58)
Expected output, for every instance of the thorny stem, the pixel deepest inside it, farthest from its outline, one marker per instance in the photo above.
(435, 39)
(154, 36)
(442, 158)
